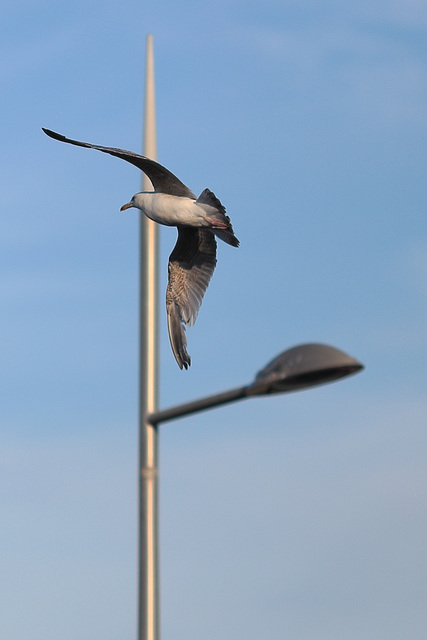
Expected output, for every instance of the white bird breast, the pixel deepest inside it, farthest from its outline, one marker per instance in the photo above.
(171, 210)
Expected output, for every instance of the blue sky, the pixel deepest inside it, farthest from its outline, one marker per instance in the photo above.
(297, 516)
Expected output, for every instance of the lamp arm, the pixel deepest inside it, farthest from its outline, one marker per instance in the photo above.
(209, 402)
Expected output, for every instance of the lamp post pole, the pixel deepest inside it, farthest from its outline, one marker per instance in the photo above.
(148, 609)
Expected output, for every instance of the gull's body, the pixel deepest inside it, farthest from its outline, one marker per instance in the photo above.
(193, 259)
(174, 211)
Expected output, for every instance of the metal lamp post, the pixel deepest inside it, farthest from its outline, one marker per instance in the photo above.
(298, 368)
(148, 614)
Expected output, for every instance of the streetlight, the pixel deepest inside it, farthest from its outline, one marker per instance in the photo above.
(301, 367)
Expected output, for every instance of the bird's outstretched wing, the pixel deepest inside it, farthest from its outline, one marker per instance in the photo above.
(163, 180)
(191, 265)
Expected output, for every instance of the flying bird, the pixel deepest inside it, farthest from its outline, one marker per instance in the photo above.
(193, 259)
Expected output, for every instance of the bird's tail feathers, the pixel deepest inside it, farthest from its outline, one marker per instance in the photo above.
(178, 338)
(227, 235)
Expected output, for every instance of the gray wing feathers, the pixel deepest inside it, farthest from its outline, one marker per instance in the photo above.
(177, 336)
(191, 265)
(163, 180)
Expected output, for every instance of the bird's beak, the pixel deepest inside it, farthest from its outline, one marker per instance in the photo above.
(128, 205)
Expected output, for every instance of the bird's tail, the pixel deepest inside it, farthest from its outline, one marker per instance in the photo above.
(226, 233)
(227, 236)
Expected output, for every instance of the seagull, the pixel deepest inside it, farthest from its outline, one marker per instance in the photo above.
(193, 259)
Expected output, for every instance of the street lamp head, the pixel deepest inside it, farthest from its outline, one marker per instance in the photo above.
(306, 365)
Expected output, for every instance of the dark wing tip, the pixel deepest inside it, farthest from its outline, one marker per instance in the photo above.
(185, 364)
(52, 134)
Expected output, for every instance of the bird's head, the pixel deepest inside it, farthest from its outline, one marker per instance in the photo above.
(137, 201)
(129, 204)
